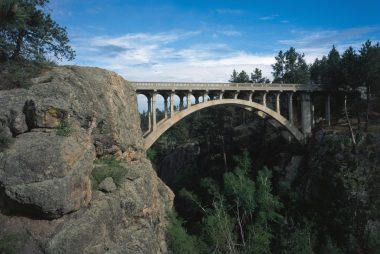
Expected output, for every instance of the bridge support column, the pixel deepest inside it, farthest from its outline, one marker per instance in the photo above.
(188, 99)
(278, 103)
(181, 106)
(166, 106)
(154, 110)
(221, 95)
(306, 114)
(327, 111)
(265, 99)
(171, 104)
(250, 96)
(196, 99)
(149, 112)
(290, 107)
(204, 96)
(236, 94)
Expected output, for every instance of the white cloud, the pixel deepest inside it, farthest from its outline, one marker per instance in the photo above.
(229, 32)
(327, 37)
(315, 44)
(157, 57)
(230, 11)
(268, 17)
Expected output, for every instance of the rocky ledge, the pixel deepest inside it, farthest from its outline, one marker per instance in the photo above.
(51, 136)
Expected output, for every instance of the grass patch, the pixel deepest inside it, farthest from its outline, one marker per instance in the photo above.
(9, 243)
(63, 129)
(5, 139)
(17, 74)
(105, 167)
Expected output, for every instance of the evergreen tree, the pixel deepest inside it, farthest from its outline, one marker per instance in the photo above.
(333, 74)
(279, 68)
(233, 77)
(318, 71)
(241, 77)
(257, 76)
(27, 32)
(370, 71)
(349, 69)
(290, 67)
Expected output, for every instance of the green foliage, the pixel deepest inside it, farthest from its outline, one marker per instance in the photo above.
(301, 241)
(241, 77)
(9, 243)
(18, 74)
(63, 129)
(107, 166)
(290, 67)
(239, 215)
(180, 242)
(27, 32)
(239, 186)
(5, 139)
(151, 154)
(219, 227)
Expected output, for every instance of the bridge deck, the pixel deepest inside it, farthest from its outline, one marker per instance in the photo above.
(194, 86)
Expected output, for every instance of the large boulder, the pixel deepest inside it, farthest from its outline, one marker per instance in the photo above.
(57, 128)
(129, 220)
(46, 175)
(96, 99)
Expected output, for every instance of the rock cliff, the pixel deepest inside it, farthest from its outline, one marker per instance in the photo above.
(50, 138)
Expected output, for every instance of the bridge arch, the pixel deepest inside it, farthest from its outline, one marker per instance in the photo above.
(166, 123)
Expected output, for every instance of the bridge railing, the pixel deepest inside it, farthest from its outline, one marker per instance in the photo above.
(219, 86)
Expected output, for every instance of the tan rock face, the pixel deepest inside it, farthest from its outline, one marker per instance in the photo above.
(59, 126)
(50, 173)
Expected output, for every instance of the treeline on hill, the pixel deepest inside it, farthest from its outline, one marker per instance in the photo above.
(232, 196)
(352, 71)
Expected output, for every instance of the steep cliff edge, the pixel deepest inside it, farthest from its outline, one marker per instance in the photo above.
(51, 135)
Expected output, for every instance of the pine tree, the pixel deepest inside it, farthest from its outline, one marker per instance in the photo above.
(279, 68)
(257, 76)
(27, 32)
(290, 67)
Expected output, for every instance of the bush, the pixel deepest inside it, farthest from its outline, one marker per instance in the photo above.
(63, 129)
(9, 243)
(180, 242)
(105, 167)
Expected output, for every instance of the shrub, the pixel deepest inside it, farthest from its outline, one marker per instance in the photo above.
(180, 242)
(63, 129)
(9, 243)
(107, 166)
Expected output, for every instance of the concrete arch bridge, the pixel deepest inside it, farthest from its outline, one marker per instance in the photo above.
(263, 99)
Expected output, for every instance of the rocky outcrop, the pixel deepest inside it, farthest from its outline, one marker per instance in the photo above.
(58, 127)
(47, 173)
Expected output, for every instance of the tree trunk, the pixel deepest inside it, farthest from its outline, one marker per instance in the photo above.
(367, 111)
(19, 44)
(349, 122)
(358, 109)
(224, 155)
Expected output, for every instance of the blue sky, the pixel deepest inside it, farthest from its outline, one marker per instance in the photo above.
(206, 40)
